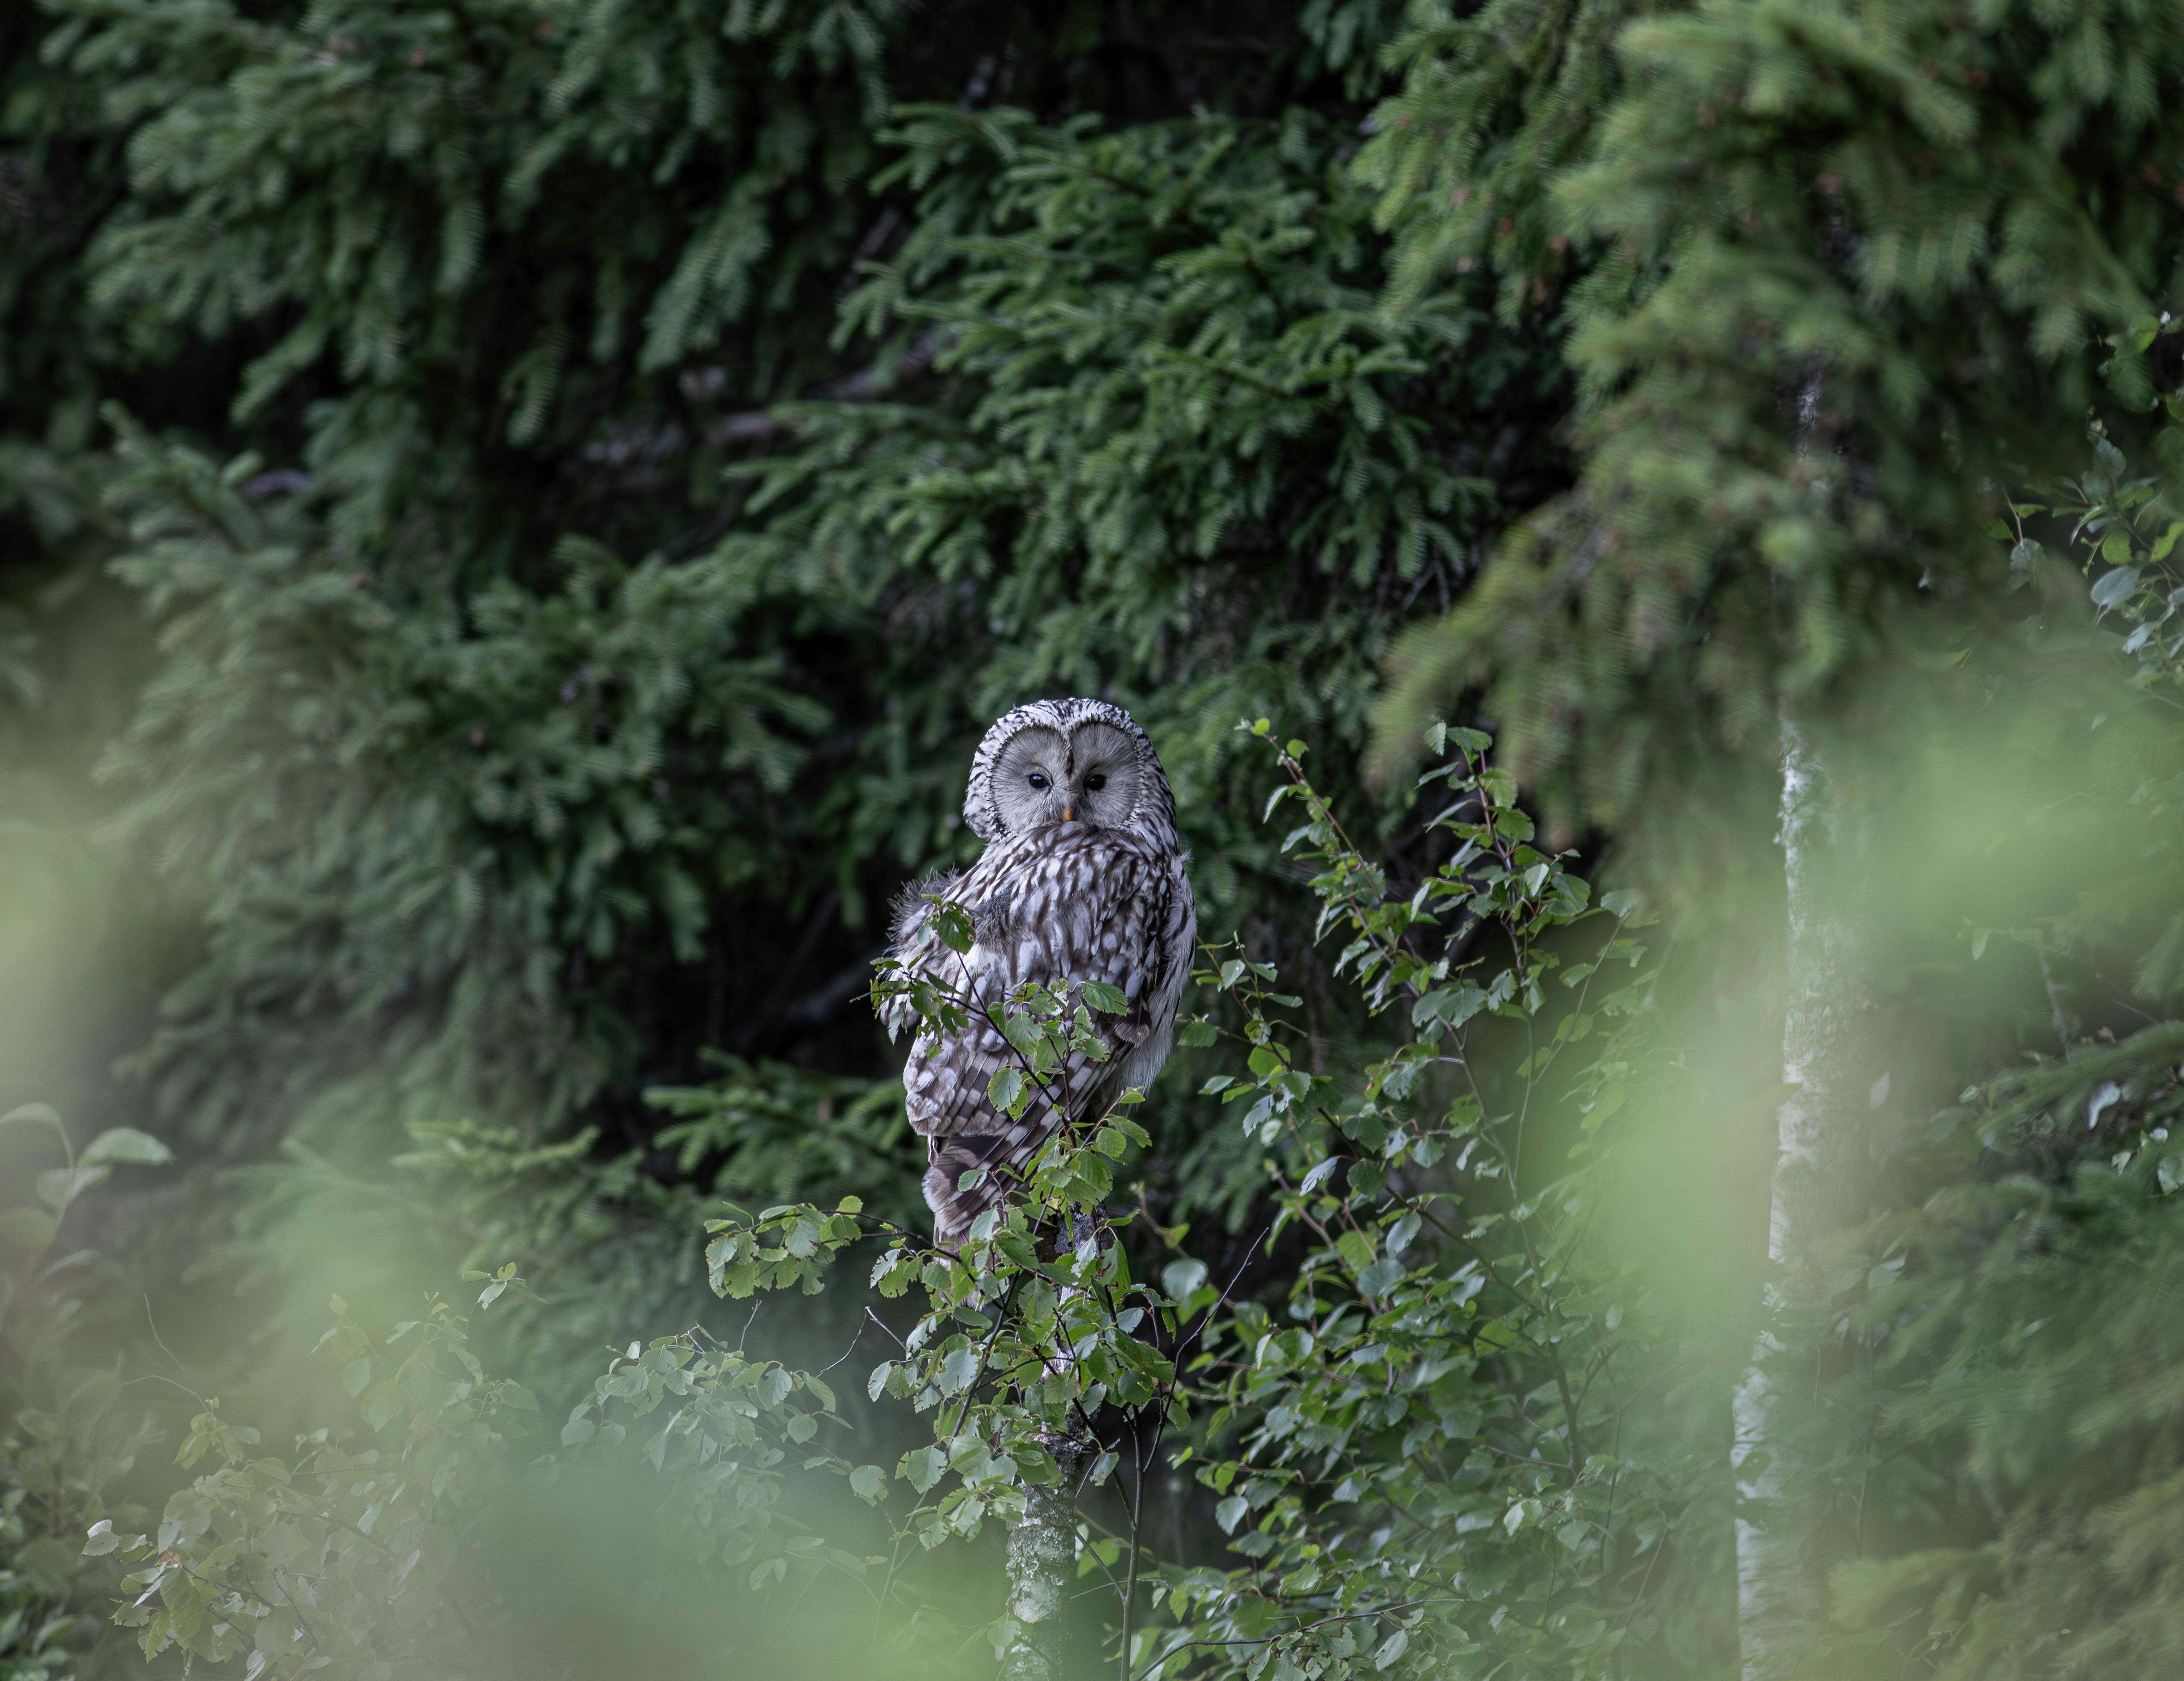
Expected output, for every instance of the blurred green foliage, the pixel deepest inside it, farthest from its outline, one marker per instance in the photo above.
(73, 1432)
(1447, 1358)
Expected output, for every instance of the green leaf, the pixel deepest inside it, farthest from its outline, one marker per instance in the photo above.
(127, 1144)
(1449, 1006)
(958, 1372)
(1006, 1089)
(1106, 999)
(35, 1115)
(2114, 587)
(921, 1467)
(868, 1483)
(1018, 1028)
(953, 923)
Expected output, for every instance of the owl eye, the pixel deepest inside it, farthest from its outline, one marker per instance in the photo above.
(1095, 784)
(1038, 780)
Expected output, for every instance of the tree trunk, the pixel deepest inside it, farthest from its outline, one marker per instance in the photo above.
(1041, 1559)
(1780, 1600)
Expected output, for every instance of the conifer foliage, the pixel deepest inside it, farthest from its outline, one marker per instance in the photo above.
(1924, 213)
(598, 660)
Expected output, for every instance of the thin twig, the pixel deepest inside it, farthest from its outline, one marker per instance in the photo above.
(846, 1352)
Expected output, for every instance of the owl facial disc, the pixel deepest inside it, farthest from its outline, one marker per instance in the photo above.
(1063, 761)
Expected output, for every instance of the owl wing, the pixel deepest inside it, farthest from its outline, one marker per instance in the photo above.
(1087, 907)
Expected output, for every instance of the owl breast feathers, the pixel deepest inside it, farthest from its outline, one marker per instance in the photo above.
(1083, 879)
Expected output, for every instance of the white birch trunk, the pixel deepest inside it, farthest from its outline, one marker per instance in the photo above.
(1042, 1551)
(1042, 1559)
(1779, 1590)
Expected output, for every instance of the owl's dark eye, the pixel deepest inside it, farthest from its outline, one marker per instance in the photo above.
(1095, 784)
(1038, 781)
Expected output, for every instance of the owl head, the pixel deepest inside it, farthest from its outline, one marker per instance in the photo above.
(1064, 761)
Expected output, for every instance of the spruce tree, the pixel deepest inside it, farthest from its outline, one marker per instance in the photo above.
(1958, 214)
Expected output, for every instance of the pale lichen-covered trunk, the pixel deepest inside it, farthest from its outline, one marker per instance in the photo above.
(1042, 1551)
(1780, 1600)
(1042, 1558)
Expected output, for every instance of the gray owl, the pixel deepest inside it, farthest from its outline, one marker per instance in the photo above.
(1082, 878)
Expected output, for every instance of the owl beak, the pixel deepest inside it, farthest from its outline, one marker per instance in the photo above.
(1068, 814)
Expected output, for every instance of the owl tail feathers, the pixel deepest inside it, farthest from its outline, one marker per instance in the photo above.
(954, 1208)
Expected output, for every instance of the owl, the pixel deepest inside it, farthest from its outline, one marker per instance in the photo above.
(1083, 878)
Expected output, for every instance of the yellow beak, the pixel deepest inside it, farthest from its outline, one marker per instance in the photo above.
(1068, 814)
